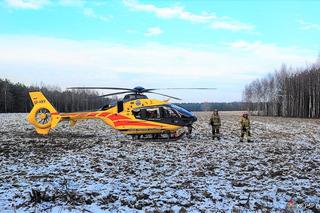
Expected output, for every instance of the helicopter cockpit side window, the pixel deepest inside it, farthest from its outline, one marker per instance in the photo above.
(169, 113)
(153, 113)
(150, 113)
(143, 113)
(140, 113)
(136, 113)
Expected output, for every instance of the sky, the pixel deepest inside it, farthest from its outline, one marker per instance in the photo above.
(155, 44)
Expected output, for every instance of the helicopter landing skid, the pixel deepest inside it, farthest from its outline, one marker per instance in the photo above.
(158, 137)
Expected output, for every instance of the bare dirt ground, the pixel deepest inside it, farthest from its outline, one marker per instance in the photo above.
(94, 168)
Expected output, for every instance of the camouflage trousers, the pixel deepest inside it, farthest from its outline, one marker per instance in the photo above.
(245, 131)
(216, 132)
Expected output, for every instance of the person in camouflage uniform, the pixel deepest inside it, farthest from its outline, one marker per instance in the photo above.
(215, 123)
(245, 127)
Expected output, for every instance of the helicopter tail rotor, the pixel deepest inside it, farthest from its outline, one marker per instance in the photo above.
(43, 115)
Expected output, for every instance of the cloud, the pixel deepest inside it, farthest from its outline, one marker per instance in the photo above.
(308, 25)
(231, 25)
(64, 62)
(26, 4)
(89, 12)
(168, 12)
(234, 58)
(153, 31)
(39, 4)
(272, 53)
(240, 44)
(74, 3)
(178, 12)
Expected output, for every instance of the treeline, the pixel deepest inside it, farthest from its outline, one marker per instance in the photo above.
(287, 92)
(14, 97)
(223, 106)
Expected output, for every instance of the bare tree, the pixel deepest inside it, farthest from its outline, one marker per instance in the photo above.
(286, 93)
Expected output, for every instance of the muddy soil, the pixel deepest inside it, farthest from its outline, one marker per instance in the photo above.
(94, 168)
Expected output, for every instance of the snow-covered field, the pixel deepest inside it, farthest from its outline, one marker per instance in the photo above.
(94, 168)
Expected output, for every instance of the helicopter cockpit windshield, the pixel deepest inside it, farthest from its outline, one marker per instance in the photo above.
(181, 110)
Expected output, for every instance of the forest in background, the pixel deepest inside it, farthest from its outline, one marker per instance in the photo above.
(287, 92)
(207, 106)
(14, 97)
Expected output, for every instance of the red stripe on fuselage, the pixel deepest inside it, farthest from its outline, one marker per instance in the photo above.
(115, 117)
(69, 114)
(104, 114)
(83, 114)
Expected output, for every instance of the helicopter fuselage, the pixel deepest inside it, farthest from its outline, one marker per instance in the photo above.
(132, 117)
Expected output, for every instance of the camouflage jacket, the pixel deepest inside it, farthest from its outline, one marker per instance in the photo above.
(245, 122)
(215, 120)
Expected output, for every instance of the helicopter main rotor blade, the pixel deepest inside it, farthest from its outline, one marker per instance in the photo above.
(111, 88)
(116, 93)
(165, 95)
(184, 88)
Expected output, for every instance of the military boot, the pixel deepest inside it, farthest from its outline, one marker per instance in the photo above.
(218, 137)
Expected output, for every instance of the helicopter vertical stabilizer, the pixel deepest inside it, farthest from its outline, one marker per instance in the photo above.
(43, 115)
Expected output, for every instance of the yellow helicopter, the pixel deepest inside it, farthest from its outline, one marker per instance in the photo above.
(134, 115)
